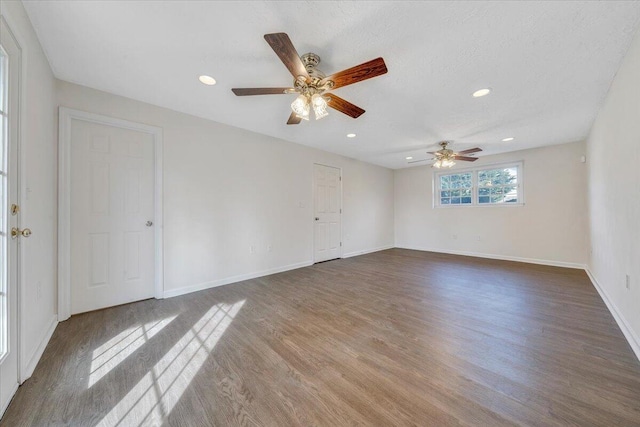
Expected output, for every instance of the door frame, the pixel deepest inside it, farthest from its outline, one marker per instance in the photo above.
(313, 211)
(66, 115)
(20, 177)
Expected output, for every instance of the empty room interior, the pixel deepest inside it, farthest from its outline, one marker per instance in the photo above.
(327, 213)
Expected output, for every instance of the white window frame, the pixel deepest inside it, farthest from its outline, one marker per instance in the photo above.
(474, 185)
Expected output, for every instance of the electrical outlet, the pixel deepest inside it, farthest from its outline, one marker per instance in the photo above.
(628, 283)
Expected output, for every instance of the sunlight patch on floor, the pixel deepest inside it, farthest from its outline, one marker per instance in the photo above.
(152, 399)
(113, 352)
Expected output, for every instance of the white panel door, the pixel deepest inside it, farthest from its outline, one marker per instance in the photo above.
(327, 213)
(112, 207)
(10, 57)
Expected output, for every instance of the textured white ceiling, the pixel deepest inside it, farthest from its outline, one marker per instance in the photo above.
(549, 64)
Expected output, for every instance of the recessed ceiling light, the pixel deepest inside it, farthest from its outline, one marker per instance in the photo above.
(351, 135)
(481, 92)
(207, 80)
(508, 139)
(408, 158)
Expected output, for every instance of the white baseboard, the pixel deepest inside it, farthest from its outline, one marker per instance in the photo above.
(500, 257)
(228, 280)
(368, 251)
(32, 362)
(5, 405)
(631, 337)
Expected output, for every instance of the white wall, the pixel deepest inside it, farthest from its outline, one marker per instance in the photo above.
(614, 196)
(549, 228)
(226, 189)
(38, 190)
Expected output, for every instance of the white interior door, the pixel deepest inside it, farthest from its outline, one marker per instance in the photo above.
(112, 215)
(10, 58)
(327, 213)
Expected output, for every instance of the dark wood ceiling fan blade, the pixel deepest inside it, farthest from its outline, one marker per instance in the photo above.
(282, 46)
(373, 68)
(465, 159)
(262, 91)
(470, 150)
(294, 119)
(343, 106)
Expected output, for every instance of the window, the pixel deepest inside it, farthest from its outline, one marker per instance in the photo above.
(498, 185)
(486, 186)
(455, 189)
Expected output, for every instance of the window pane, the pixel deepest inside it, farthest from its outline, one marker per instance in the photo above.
(444, 182)
(455, 193)
(484, 191)
(483, 179)
(445, 194)
(510, 193)
(444, 201)
(455, 200)
(466, 179)
(466, 200)
(483, 199)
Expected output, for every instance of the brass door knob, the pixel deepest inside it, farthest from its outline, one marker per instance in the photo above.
(16, 232)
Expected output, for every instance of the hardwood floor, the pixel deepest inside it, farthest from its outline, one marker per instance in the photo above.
(396, 337)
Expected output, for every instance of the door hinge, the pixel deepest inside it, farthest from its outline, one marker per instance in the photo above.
(340, 210)
(340, 243)
(340, 178)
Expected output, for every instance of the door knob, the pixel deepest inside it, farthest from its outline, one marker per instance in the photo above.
(149, 223)
(16, 232)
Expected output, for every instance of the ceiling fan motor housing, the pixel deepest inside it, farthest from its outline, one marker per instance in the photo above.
(311, 61)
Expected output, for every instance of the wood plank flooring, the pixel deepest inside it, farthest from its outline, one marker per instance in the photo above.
(396, 337)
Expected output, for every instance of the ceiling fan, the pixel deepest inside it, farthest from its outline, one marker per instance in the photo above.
(312, 84)
(444, 157)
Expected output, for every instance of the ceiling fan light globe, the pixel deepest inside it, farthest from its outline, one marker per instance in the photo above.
(300, 106)
(320, 112)
(319, 105)
(318, 101)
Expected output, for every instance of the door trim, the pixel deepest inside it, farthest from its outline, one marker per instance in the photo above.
(313, 211)
(20, 177)
(64, 200)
